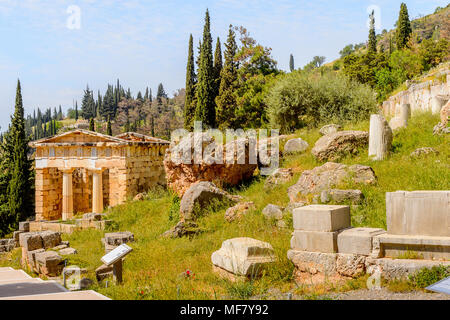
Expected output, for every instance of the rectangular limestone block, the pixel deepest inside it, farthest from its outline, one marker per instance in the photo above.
(425, 247)
(314, 241)
(357, 240)
(418, 213)
(325, 218)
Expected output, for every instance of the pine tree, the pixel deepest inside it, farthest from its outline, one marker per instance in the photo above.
(91, 124)
(226, 100)
(403, 27)
(139, 97)
(205, 91)
(291, 63)
(88, 104)
(372, 45)
(189, 107)
(160, 93)
(20, 195)
(108, 128)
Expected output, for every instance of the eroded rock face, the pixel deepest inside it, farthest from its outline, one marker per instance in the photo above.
(295, 146)
(185, 167)
(182, 229)
(201, 195)
(280, 176)
(327, 176)
(272, 211)
(442, 127)
(334, 146)
(329, 129)
(340, 196)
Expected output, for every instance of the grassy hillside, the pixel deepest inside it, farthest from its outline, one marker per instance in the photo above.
(154, 269)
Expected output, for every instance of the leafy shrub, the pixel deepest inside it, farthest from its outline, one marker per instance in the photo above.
(427, 277)
(174, 210)
(318, 98)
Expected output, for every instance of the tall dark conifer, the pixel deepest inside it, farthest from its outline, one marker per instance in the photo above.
(291, 63)
(205, 90)
(404, 29)
(189, 107)
(372, 44)
(218, 64)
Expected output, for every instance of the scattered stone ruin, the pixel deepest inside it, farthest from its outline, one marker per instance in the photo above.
(82, 171)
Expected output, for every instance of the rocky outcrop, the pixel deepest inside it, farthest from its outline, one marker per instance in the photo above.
(200, 196)
(239, 210)
(185, 166)
(336, 145)
(442, 127)
(421, 152)
(327, 176)
(280, 176)
(341, 196)
(295, 146)
(182, 229)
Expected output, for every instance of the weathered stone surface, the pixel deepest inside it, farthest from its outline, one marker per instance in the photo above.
(118, 238)
(341, 196)
(289, 210)
(239, 210)
(185, 167)
(380, 137)
(60, 247)
(399, 268)
(24, 226)
(314, 241)
(350, 265)
(295, 146)
(280, 176)
(357, 240)
(16, 238)
(445, 114)
(31, 241)
(272, 211)
(313, 262)
(243, 256)
(93, 216)
(201, 195)
(49, 263)
(336, 145)
(325, 218)
(328, 176)
(182, 229)
(50, 239)
(68, 251)
(103, 272)
(418, 213)
(31, 257)
(7, 245)
(330, 129)
(403, 113)
(440, 128)
(421, 152)
(139, 197)
(426, 247)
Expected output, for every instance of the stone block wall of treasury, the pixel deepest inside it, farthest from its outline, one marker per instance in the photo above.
(48, 184)
(82, 190)
(144, 167)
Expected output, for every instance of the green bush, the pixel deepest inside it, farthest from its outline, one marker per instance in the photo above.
(427, 277)
(301, 98)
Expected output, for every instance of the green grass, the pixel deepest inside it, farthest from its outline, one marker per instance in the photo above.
(154, 269)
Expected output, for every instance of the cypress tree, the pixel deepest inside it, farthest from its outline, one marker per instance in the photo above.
(91, 124)
(60, 113)
(217, 66)
(291, 63)
(139, 97)
(372, 45)
(108, 128)
(403, 27)
(161, 93)
(189, 107)
(20, 186)
(205, 91)
(226, 100)
(88, 104)
(76, 110)
(146, 96)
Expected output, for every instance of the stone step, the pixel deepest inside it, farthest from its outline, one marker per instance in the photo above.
(74, 295)
(14, 275)
(30, 288)
(34, 280)
(2, 269)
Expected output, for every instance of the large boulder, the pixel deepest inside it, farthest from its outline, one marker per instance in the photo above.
(295, 146)
(201, 195)
(328, 176)
(182, 229)
(184, 166)
(243, 256)
(336, 145)
(330, 129)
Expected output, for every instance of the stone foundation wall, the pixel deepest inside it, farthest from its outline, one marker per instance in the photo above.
(48, 183)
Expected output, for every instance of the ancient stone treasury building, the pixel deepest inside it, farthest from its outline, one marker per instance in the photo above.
(83, 171)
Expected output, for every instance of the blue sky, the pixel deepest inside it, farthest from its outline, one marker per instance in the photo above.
(144, 43)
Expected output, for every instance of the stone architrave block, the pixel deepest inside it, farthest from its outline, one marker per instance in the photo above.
(314, 241)
(50, 239)
(357, 240)
(243, 256)
(31, 241)
(49, 263)
(31, 257)
(325, 218)
(424, 213)
(118, 238)
(313, 262)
